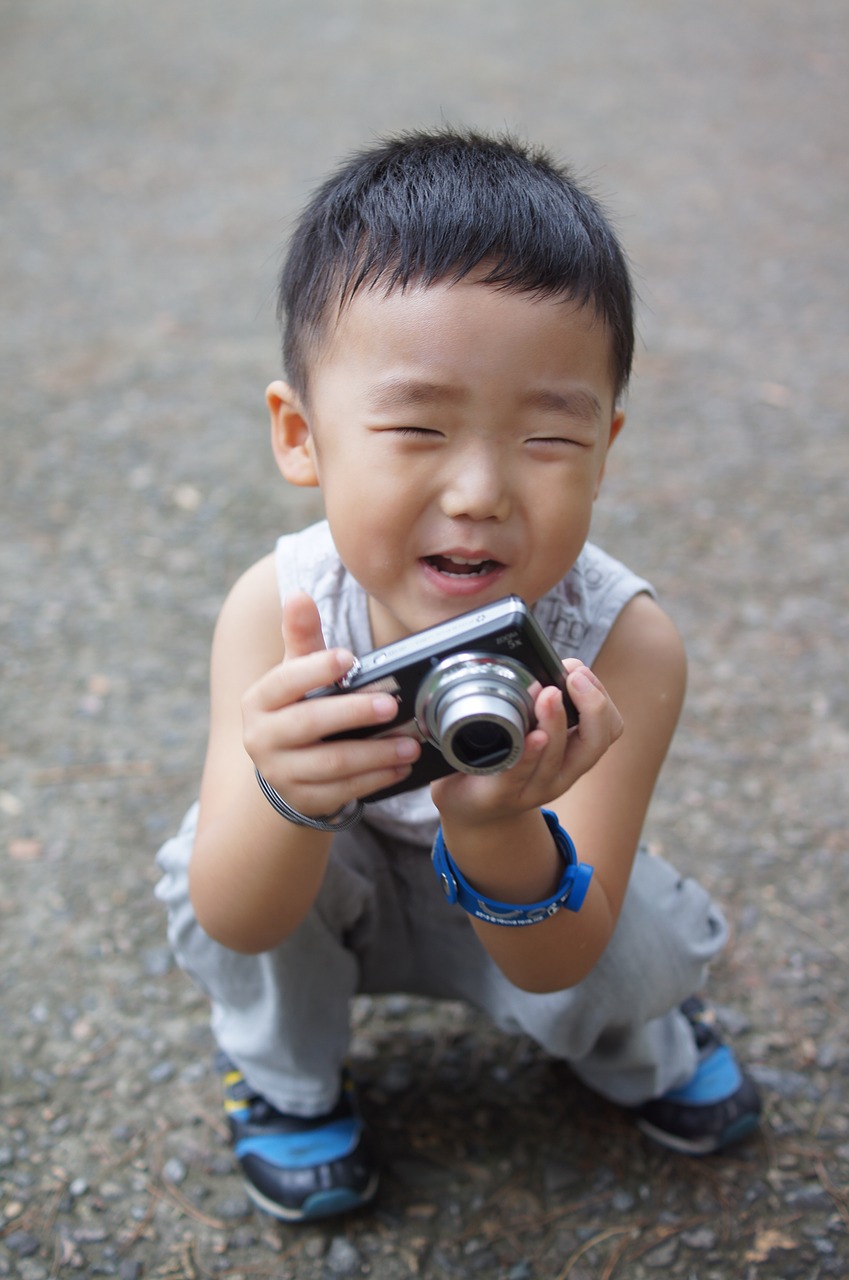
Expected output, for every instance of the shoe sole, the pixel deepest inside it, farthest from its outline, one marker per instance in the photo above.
(700, 1146)
(321, 1204)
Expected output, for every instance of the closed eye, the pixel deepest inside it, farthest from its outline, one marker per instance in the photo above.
(417, 433)
(552, 441)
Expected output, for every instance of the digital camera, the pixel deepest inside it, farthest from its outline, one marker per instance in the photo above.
(463, 689)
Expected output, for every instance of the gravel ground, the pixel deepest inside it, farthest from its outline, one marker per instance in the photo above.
(154, 157)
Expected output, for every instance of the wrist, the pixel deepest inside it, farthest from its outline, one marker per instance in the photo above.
(513, 860)
(570, 892)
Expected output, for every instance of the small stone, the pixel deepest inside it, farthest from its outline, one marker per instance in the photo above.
(521, 1271)
(129, 1270)
(787, 1084)
(701, 1238)
(812, 1196)
(157, 962)
(22, 1244)
(242, 1238)
(342, 1258)
(174, 1171)
(233, 1207)
(31, 1269)
(161, 1073)
(827, 1056)
(89, 1235)
(78, 1187)
(397, 1006)
(25, 850)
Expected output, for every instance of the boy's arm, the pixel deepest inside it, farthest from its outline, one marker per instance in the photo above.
(253, 874)
(241, 886)
(643, 669)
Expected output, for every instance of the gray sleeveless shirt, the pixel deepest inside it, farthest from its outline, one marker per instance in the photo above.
(576, 615)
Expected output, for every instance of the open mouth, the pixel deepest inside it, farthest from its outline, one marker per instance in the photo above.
(460, 567)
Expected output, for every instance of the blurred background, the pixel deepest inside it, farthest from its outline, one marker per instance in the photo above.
(153, 161)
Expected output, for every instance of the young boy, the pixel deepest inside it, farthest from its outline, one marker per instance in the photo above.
(458, 337)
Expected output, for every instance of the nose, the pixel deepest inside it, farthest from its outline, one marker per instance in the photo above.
(477, 486)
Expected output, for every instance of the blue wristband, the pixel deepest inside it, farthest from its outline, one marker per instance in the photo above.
(570, 893)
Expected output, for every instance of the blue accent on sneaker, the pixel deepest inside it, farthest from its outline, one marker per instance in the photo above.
(327, 1204)
(716, 1078)
(299, 1168)
(333, 1141)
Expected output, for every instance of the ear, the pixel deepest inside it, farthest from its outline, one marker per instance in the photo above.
(291, 438)
(617, 422)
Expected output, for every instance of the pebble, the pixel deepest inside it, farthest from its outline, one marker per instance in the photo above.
(342, 1258)
(21, 1243)
(787, 1084)
(701, 1238)
(812, 1196)
(31, 1269)
(157, 962)
(174, 1171)
(233, 1207)
(663, 1256)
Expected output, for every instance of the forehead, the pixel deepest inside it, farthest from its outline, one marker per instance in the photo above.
(463, 328)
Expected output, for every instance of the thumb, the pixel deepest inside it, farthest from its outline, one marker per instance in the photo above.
(301, 625)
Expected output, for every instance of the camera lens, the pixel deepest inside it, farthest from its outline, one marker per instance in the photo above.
(476, 709)
(482, 744)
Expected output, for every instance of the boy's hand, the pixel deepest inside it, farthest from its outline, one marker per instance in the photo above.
(284, 735)
(552, 761)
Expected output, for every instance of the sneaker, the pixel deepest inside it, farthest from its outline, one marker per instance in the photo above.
(717, 1106)
(296, 1168)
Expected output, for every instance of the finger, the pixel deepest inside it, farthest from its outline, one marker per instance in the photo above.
(600, 720)
(545, 745)
(293, 678)
(330, 775)
(301, 625)
(321, 717)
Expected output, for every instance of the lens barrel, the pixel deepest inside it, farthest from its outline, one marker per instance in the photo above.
(477, 709)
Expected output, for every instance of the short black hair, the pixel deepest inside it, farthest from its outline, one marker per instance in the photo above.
(426, 207)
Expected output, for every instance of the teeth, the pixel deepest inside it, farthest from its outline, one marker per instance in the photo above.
(462, 566)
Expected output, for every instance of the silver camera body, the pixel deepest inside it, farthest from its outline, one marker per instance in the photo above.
(463, 690)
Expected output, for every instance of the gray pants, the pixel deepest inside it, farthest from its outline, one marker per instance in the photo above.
(380, 924)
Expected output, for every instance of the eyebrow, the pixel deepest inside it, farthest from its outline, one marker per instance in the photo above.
(575, 403)
(398, 393)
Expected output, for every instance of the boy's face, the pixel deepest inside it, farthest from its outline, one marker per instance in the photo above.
(459, 436)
